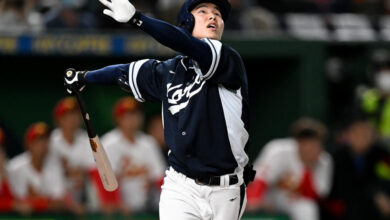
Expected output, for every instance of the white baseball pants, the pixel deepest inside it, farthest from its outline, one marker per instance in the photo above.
(183, 199)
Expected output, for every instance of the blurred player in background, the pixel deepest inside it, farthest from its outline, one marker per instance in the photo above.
(375, 101)
(156, 130)
(7, 203)
(36, 176)
(361, 185)
(293, 173)
(135, 156)
(204, 94)
(69, 143)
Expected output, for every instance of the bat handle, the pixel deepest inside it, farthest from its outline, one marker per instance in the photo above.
(70, 74)
(91, 132)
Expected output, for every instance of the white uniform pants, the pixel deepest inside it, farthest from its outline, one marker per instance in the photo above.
(183, 199)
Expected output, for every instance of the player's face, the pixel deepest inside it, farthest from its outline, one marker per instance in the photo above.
(360, 137)
(70, 121)
(208, 21)
(38, 148)
(310, 150)
(130, 122)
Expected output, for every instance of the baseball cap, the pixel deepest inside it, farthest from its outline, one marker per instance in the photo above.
(36, 131)
(124, 105)
(63, 106)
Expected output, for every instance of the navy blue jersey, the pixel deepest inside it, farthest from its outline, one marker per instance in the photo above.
(205, 112)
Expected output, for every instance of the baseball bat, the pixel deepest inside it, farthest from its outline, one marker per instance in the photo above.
(103, 165)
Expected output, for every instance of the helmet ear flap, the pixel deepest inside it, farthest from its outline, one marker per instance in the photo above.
(189, 23)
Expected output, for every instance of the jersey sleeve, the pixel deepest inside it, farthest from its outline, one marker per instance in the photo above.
(226, 67)
(146, 80)
(177, 39)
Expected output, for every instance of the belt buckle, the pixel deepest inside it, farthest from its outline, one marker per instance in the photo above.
(231, 178)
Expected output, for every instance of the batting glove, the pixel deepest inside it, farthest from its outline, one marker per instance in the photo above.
(74, 80)
(123, 83)
(120, 10)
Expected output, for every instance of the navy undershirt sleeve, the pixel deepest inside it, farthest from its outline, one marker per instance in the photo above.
(107, 75)
(171, 36)
(178, 39)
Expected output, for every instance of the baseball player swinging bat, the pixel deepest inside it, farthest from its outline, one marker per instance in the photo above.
(103, 164)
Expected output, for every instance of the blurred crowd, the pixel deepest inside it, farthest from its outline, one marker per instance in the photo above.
(19, 16)
(57, 174)
(343, 173)
(298, 176)
(314, 173)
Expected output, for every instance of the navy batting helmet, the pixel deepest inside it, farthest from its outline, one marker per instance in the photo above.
(187, 21)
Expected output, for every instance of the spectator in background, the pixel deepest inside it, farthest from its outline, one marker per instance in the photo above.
(70, 14)
(361, 183)
(150, 7)
(370, 7)
(146, 5)
(293, 173)
(245, 15)
(235, 21)
(7, 203)
(309, 6)
(256, 18)
(135, 156)
(69, 143)
(156, 130)
(290, 6)
(17, 16)
(375, 102)
(168, 10)
(36, 177)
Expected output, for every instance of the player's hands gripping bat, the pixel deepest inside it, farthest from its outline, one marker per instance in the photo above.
(74, 83)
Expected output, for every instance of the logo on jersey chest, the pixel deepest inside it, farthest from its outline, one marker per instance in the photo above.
(180, 95)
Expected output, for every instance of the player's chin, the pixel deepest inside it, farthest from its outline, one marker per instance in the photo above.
(214, 36)
(208, 34)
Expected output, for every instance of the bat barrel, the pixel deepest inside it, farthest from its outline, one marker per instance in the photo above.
(104, 168)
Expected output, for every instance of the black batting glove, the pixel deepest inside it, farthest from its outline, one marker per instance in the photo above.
(123, 83)
(74, 80)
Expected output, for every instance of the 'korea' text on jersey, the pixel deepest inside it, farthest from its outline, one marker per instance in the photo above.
(205, 113)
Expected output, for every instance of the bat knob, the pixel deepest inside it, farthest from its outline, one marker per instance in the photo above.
(70, 73)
